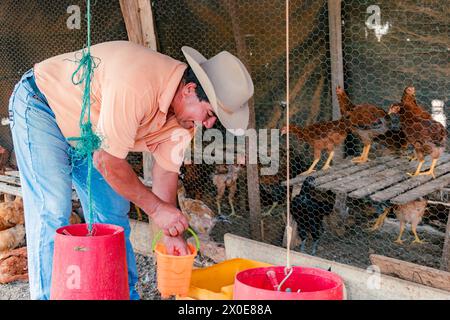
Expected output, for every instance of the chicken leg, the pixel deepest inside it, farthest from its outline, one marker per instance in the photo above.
(327, 166)
(416, 237)
(402, 228)
(419, 166)
(269, 213)
(364, 157)
(431, 170)
(218, 207)
(380, 220)
(231, 192)
(311, 168)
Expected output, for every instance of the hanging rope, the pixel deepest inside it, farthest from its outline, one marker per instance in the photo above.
(88, 141)
(288, 270)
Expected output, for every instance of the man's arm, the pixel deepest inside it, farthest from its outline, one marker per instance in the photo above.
(164, 184)
(121, 177)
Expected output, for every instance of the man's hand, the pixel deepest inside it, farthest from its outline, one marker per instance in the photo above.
(169, 219)
(176, 246)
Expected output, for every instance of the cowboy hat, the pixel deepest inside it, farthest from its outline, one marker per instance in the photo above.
(226, 83)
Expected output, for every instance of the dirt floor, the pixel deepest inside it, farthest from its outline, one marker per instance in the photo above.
(146, 286)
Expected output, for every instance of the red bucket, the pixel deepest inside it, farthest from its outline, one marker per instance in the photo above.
(90, 267)
(312, 284)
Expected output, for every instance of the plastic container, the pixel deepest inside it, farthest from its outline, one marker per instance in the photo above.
(216, 282)
(90, 267)
(313, 283)
(173, 273)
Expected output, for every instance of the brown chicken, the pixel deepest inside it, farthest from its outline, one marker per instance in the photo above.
(411, 212)
(366, 120)
(12, 238)
(201, 218)
(11, 213)
(74, 218)
(395, 138)
(409, 98)
(226, 176)
(427, 136)
(321, 136)
(13, 265)
(4, 157)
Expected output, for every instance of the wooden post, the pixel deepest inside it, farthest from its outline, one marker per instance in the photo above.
(337, 77)
(337, 65)
(254, 200)
(445, 262)
(138, 17)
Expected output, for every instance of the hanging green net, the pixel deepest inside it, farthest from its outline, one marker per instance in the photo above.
(88, 141)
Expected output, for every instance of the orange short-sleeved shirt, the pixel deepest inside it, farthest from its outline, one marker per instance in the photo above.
(131, 92)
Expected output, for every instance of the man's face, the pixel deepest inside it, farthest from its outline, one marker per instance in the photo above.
(189, 109)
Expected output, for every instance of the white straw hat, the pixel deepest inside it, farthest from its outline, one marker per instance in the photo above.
(226, 83)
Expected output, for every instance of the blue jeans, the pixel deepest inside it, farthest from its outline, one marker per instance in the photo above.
(46, 175)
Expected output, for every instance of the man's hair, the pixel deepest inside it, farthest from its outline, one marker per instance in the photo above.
(188, 77)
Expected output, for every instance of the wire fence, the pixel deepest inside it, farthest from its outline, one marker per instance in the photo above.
(385, 48)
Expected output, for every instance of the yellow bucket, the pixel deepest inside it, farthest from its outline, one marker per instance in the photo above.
(216, 282)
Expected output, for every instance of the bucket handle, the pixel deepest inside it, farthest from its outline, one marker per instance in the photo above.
(160, 233)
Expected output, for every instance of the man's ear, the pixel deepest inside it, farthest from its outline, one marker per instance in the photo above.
(189, 89)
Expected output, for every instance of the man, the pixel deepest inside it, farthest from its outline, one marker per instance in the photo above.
(141, 101)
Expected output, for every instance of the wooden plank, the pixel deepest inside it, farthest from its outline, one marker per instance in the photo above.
(17, 191)
(10, 179)
(352, 182)
(350, 170)
(360, 181)
(335, 168)
(445, 261)
(412, 272)
(13, 173)
(373, 183)
(423, 190)
(387, 179)
(5, 188)
(408, 184)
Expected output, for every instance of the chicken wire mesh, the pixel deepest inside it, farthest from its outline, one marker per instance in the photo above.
(405, 45)
(385, 48)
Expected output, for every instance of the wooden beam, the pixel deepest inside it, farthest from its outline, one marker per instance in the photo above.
(337, 65)
(412, 272)
(254, 200)
(131, 16)
(148, 25)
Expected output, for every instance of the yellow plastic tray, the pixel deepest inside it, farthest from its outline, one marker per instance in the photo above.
(216, 282)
